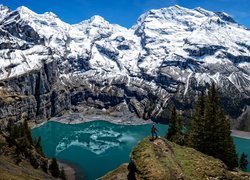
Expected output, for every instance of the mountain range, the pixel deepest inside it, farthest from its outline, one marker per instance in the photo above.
(49, 67)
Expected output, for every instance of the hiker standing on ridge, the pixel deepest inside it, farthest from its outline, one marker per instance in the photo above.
(154, 131)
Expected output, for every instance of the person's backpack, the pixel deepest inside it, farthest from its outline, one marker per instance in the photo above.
(153, 129)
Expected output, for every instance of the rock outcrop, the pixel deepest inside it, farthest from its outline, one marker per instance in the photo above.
(37, 95)
(164, 160)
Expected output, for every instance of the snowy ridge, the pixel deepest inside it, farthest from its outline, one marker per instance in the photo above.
(169, 50)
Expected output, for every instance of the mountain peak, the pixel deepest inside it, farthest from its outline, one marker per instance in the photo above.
(97, 18)
(2, 7)
(204, 11)
(3, 11)
(189, 18)
(176, 7)
(170, 50)
(50, 14)
(27, 13)
(25, 10)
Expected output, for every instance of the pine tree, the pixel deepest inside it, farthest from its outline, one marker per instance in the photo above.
(243, 162)
(44, 166)
(211, 122)
(38, 146)
(27, 131)
(195, 135)
(10, 126)
(54, 168)
(175, 128)
(16, 131)
(226, 149)
(209, 131)
(219, 142)
(172, 124)
(33, 161)
(24, 144)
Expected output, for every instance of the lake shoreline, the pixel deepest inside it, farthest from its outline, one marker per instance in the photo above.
(240, 134)
(86, 151)
(78, 118)
(71, 170)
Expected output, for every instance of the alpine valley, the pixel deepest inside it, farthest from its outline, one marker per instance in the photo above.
(49, 67)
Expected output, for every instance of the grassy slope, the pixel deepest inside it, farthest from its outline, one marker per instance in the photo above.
(10, 171)
(161, 159)
(118, 174)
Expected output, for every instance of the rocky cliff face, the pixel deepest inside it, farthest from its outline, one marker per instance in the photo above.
(166, 58)
(36, 95)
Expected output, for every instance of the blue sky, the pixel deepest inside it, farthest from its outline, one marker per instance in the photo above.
(125, 12)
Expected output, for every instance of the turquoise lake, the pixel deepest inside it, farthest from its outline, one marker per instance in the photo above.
(99, 146)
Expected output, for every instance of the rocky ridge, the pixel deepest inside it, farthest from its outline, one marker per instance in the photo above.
(161, 159)
(166, 58)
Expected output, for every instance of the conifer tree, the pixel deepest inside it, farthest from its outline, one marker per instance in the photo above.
(27, 131)
(172, 124)
(243, 162)
(38, 146)
(54, 168)
(195, 135)
(44, 166)
(33, 161)
(175, 128)
(225, 147)
(219, 142)
(211, 121)
(10, 126)
(209, 131)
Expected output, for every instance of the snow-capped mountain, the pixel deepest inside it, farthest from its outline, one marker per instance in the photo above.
(167, 57)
